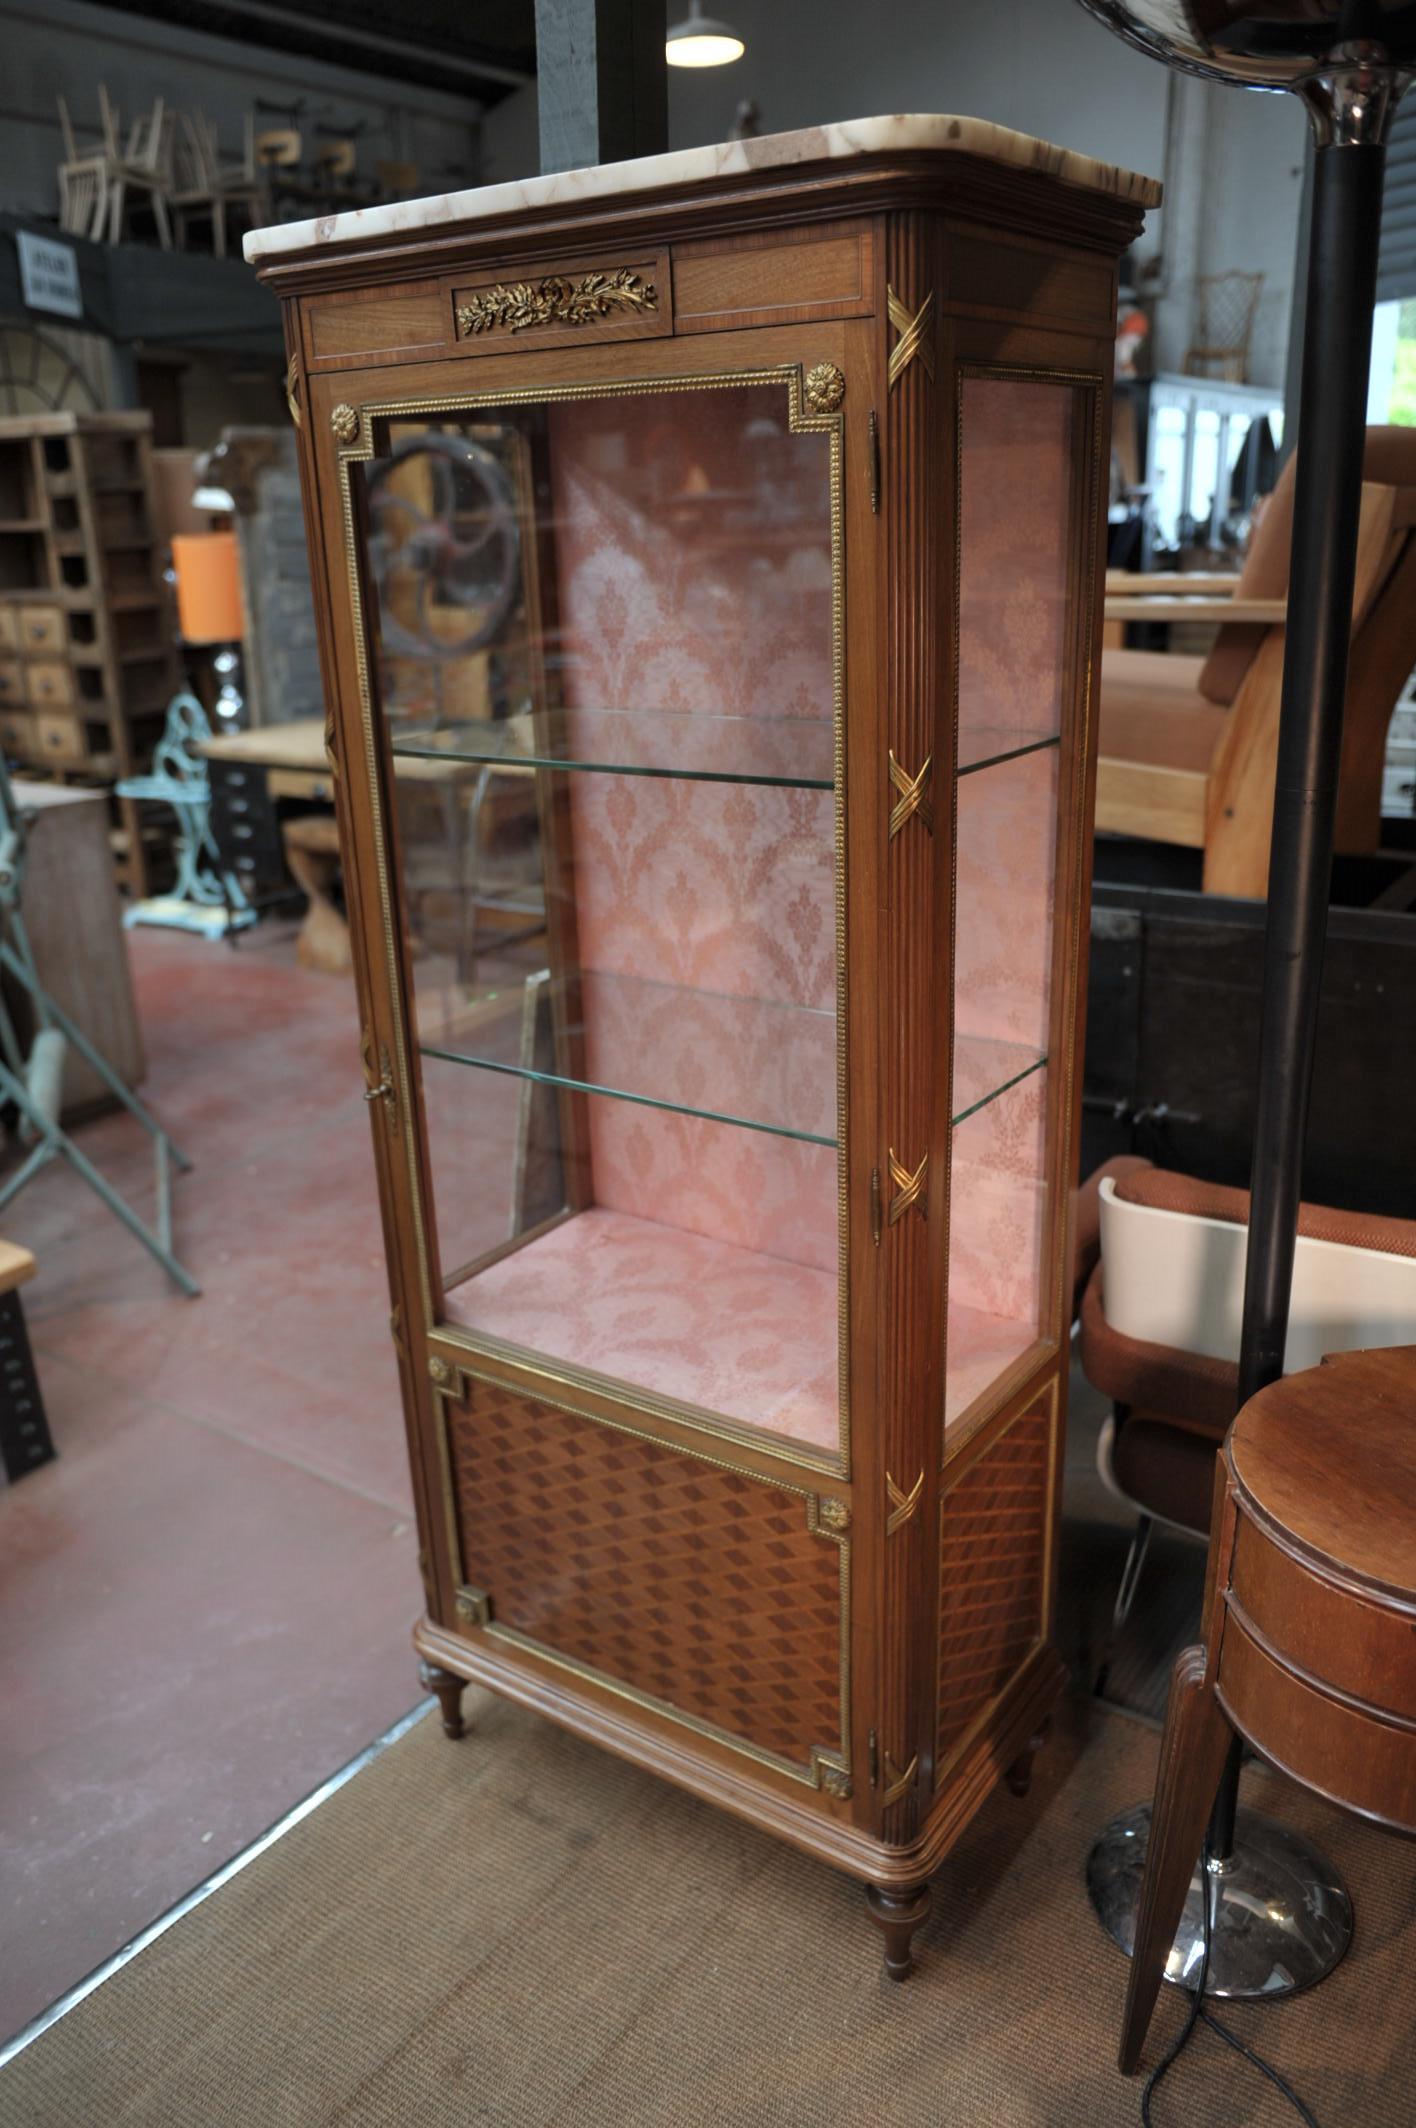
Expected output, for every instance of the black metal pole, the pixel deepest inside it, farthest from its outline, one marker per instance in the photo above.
(1337, 352)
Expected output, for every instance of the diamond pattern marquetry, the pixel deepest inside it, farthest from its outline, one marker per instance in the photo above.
(692, 1584)
(991, 1595)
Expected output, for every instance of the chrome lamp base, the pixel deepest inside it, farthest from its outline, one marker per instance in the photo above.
(1282, 1916)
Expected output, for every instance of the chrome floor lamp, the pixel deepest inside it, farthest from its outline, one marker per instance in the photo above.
(1281, 1918)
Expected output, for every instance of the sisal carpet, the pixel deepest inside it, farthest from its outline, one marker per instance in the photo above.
(519, 1930)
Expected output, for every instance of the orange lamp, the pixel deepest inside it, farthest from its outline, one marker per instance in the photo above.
(208, 587)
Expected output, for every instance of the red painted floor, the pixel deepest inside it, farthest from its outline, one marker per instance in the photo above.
(205, 1603)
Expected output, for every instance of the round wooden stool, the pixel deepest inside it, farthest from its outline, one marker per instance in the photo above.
(1310, 1627)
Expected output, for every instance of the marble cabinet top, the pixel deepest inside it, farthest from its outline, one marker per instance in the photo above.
(687, 166)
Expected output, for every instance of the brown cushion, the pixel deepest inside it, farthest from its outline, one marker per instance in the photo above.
(1388, 458)
(1145, 717)
(1166, 1191)
(1186, 1387)
(1167, 1470)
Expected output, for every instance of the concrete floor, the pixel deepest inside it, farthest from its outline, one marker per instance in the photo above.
(206, 1600)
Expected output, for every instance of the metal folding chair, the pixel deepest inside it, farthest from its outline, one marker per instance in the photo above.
(33, 1083)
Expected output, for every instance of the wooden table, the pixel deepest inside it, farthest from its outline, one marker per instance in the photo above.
(1309, 1648)
(253, 772)
(1173, 606)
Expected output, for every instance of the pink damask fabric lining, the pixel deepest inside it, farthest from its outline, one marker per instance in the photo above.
(682, 1315)
(718, 899)
(700, 1322)
(693, 567)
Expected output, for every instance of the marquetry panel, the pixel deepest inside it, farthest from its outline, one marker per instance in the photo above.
(992, 1574)
(691, 1584)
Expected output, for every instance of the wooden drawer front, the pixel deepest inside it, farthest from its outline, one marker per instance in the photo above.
(1336, 1638)
(396, 321)
(18, 737)
(720, 286)
(41, 628)
(993, 1574)
(701, 1589)
(1040, 287)
(49, 685)
(9, 627)
(234, 777)
(1364, 1762)
(12, 680)
(628, 298)
(60, 738)
(255, 834)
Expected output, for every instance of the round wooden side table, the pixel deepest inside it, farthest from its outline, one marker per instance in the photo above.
(1309, 1648)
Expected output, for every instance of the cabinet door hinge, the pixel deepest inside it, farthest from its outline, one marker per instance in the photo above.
(875, 1207)
(873, 438)
(873, 1750)
(380, 1088)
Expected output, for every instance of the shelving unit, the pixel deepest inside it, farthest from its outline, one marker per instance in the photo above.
(87, 659)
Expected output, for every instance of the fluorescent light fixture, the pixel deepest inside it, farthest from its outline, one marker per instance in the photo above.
(699, 41)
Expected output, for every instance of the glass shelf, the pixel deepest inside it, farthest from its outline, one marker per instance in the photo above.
(988, 745)
(984, 1068)
(761, 1063)
(774, 1063)
(795, 753)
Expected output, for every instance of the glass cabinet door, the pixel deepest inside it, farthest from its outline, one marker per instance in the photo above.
(1022, 549)
(603, 631)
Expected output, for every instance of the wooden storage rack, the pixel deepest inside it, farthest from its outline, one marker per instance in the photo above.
(87, 656)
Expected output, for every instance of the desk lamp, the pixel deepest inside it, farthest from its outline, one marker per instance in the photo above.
(1281, 1918)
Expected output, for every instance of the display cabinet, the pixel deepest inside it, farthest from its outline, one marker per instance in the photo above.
(707, 551)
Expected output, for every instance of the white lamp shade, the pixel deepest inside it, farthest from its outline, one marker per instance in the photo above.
(699, 41)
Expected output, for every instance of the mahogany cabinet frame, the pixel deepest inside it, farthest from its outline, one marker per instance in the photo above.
(906, 274)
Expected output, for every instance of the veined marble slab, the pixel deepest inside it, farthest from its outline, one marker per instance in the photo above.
(689, 166)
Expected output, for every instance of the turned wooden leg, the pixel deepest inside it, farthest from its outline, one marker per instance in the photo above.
(449, 1690)
(1019, 1774)
(897, 1914)
(1193, 1749)
(312, 853)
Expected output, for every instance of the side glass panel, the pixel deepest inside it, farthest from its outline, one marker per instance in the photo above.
(1018, 530)
(603, 637)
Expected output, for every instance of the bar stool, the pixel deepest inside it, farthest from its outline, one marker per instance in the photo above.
(1309, 1648)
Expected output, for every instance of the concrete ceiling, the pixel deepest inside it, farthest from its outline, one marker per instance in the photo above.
(480, 48)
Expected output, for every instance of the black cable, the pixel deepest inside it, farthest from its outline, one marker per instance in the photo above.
(1231, 2039)
(1197, 2011)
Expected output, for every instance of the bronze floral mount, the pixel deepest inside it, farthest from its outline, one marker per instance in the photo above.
(558, 300)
